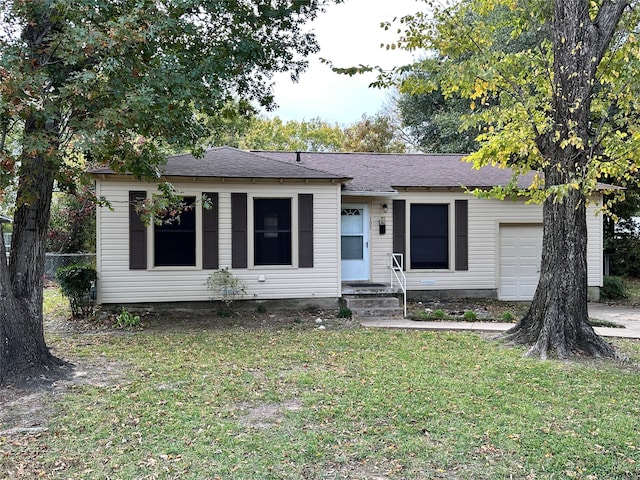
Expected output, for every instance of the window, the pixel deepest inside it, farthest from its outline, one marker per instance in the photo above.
(175, 242)
(272, 230)
(429, 242)
(352, 237)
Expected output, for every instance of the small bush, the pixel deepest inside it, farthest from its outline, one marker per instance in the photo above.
(419, 315)
(470, 316)
(507, 317)
(613, 288)
(75, 284)
(261, 308)
(344, 312)
(127, 320)
(225, 288)
(438, 314)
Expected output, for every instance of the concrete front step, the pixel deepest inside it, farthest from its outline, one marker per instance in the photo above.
(371, 301)
(374, 305)
(378, 312)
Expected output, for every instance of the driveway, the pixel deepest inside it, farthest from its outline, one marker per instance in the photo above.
(629, 317)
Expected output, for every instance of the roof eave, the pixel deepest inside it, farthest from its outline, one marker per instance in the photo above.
(369, 193)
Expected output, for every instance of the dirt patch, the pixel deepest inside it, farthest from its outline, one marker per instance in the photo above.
(265, 415)
(486, 309)
(27, 410)
(178, 320)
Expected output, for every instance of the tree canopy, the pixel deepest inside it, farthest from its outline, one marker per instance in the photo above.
(313, 135)
(499, 55)
(117, 82)
(434, 122)
(376, 133)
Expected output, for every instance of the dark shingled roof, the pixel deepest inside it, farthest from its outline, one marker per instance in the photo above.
(227, 162)
(361, 172)
(383, 172)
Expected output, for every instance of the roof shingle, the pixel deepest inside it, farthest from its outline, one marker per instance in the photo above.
(384, 172)
(228, 162)
(361, 172)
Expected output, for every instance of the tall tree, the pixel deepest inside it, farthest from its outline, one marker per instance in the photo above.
(565, 108)
(118, 81)
(435, 122)
(373, 134)
(315, 135)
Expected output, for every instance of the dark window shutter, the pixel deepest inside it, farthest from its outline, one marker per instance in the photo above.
(462, 236)
(210, 233)
(239, 230)
(305, 230)
(400, 229)
(137, 234)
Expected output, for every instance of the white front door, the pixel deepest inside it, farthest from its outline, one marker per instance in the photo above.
(355, 242)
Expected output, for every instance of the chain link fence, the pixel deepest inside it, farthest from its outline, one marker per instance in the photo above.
(54, 261)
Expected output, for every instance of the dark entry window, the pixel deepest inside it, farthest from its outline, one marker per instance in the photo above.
(429, 236)
(175, 242)
(272, 229)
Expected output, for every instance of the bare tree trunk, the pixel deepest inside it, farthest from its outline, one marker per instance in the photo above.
(557, 321)
(23, 351)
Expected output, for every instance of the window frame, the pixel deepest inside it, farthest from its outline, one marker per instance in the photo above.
(290, 232)
(197, 227)
(448, 239)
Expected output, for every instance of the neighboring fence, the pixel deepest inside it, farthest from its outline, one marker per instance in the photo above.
(54, 261)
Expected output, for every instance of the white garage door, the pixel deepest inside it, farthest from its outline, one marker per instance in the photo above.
(520, 253)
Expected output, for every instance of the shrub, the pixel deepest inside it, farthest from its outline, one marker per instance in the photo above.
(613, 288)
(470, 316)
(438, 314)
(345, 312)
(261, 308)
(507, 317)
(420, 315)
(225, 287)
(127, 320)
(75, 284)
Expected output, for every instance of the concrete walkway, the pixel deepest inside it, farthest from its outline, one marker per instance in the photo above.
(629, 317)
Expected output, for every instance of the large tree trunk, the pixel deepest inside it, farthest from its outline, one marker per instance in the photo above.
(557, 321)
(23, 351)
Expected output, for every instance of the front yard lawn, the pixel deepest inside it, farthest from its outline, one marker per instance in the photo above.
(296, 402)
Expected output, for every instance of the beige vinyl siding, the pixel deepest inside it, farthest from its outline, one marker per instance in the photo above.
(118, 284)
(485, 217)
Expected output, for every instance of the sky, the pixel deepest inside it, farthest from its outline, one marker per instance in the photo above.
(349, 34)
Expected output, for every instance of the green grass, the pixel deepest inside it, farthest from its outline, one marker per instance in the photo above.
(55, 304)
(299, 403)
